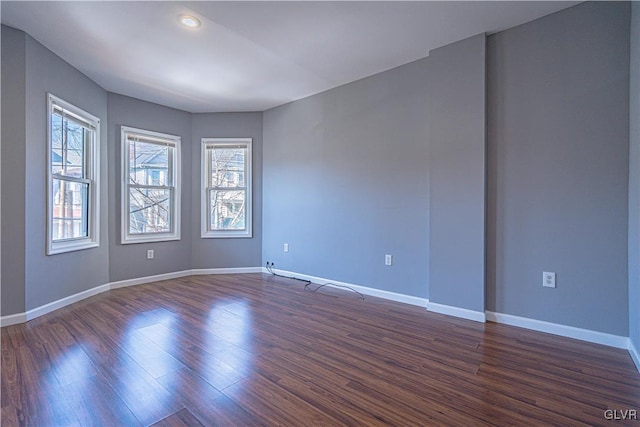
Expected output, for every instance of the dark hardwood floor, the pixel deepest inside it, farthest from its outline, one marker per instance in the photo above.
(259, 350)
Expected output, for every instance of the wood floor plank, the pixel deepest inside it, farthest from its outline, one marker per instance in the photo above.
(95, 402)
(208, 404)
(253, 349)
(182, 418)
(145, 398)
(33, 395)
(275, 405)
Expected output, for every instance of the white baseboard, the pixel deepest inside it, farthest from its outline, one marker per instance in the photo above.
(239, 270)
(633, 352)
(14, 319)
(561, 330)
(183, 273)
(393, 296)
(463, 313)
(62, 302)
(148, 279)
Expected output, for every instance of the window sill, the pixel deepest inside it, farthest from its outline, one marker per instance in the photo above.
(226, 235)
(71, 246)
(147, 238)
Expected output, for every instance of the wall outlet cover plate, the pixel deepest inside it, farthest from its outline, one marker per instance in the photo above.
(548, 279)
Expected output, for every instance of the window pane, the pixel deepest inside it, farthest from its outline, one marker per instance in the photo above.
(149, 163)
(70, 209)
(56, 143)
(227, 210)
(68, 145)
(149, 210)
(227, 167)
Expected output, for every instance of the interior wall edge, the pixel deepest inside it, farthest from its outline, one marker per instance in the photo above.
(634, 353)
(463, 313)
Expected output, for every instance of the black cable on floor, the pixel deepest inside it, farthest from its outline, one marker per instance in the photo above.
(270, 270)
(307, 288)
(308, 283)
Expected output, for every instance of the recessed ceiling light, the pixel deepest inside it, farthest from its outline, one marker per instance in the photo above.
(189, 21)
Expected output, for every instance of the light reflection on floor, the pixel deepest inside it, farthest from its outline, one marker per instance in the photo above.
(152, 348)
(228, 343)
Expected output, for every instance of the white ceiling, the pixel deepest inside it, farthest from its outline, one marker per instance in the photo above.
(251, 56)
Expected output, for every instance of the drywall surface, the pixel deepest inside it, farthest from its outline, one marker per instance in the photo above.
(226, 252)
(346, 181)
(49, 278)
(558, 132)
(457, 174)
(130, 261)
(13, 172)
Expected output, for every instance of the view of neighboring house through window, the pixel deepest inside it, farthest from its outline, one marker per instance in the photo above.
(150, 186)
(226, 181)
(72, 207)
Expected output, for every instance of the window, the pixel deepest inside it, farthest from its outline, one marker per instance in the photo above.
(226, 187)
(72, 177)
(150, 186)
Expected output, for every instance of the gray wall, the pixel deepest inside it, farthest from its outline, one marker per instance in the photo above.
(49, 278)
(227, 253)
(558, 129)
(346, 175)
(345, 182)
(33, 279)
(457, 174)
(634, 180)
(13, 173)
(130, 261)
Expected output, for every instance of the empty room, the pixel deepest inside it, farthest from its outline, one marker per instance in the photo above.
(320, 213)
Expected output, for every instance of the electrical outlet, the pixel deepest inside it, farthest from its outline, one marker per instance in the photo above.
(548, 279)
(388, 259)
(150, 254)
(286, 247)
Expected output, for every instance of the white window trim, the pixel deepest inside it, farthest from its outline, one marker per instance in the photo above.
(125, 237)
(204, 200)
(93, 175)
